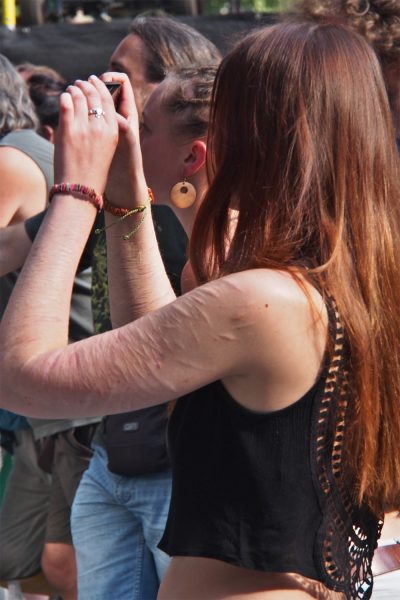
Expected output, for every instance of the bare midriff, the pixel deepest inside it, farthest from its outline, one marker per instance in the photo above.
(192, 578)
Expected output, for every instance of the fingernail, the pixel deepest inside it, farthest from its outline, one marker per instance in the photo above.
(93, 77)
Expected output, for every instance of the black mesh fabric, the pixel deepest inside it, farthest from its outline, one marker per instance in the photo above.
(349, 533)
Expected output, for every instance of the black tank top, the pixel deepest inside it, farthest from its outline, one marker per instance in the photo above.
(262, 490)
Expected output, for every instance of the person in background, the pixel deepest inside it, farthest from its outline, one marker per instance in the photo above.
(49, 455)
(20, 197)
(285, 358)
(134, 505)
(27, 69)
(45, 92)
(45, 86)
(154, 46)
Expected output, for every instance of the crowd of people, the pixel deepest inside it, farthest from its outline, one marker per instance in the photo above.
(228, 228)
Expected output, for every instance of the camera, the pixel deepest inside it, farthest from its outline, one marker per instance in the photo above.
(114, 89)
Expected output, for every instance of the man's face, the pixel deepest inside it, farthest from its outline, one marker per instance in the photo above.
(162, 152)
(129, 57)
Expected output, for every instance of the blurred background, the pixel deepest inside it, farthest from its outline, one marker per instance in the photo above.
(77, 37)
(34, 12)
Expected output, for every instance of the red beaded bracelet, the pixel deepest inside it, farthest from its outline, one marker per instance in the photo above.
(117, 211)
(83, 191)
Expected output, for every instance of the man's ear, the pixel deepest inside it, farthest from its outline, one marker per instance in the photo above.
(195, 158)
(47, 132)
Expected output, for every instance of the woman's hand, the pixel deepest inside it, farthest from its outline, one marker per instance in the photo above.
(126, 184)
(86, 141)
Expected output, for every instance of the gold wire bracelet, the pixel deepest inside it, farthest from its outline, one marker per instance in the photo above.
(133, 211)
(123, 213)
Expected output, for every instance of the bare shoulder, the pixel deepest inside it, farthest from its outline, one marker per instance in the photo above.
(277, 291)
(15, 163)
(286, 331)
(262, 297)
(23, 188)
(11, 158)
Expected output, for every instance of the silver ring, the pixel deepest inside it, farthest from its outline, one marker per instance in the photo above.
(97, 112)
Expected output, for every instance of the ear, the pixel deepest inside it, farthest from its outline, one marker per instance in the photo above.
(195, 158)
(47, 132)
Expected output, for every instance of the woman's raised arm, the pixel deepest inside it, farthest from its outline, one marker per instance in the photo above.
(137, 279)
(164, 354)
(200, 337)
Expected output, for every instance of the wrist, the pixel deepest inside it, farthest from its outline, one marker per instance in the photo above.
(147, 198)
(134, 193)
(122, 214)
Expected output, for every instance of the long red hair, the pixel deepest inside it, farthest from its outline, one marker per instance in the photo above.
(301, 141)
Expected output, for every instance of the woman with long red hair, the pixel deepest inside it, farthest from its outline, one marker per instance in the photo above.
(286, 356)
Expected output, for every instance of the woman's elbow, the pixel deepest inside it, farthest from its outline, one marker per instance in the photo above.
(17, 387)
(9, 386)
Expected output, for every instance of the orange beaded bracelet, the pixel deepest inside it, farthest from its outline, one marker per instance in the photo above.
(117, 211)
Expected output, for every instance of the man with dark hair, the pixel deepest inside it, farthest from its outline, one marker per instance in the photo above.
(45, 93)
(132, 508)
(159, 44)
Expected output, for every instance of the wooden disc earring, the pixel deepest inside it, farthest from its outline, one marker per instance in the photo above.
(183, 194)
